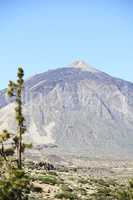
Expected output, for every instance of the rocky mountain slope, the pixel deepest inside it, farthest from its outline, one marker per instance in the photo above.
(78, 110)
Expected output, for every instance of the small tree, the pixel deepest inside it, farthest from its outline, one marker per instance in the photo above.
(15, 90)
(14, 182)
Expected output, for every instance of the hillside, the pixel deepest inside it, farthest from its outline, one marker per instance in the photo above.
(78, 110)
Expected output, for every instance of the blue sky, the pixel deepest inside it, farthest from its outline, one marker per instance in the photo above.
(44, 34)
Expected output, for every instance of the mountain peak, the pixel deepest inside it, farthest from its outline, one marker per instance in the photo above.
(83, 66)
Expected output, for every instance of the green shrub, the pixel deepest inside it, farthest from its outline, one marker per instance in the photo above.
(14, 186)
(48, 179)
(66, 195)
(53, 173)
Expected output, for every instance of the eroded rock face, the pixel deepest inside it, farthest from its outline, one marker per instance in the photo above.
(78, 110)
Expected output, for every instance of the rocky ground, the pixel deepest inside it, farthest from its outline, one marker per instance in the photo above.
(97, 182)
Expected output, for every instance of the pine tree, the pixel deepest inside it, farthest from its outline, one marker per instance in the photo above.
(14, 183)
(15, 90)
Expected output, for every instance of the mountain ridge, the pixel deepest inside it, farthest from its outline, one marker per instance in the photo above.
(77, 111)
